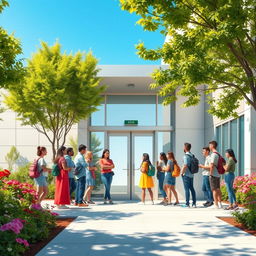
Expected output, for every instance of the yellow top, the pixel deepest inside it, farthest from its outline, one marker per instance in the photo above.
(145, 180)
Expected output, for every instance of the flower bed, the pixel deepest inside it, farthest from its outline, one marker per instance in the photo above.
(245, 188)
(22, 222)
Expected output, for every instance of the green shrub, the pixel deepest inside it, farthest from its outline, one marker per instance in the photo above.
(247, 218)
(21, 175)
(224, 192)
(51, 191)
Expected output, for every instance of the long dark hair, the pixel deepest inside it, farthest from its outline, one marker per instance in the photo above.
(60, 153)
(104, 151)
(163, 155)
(232, 154)
(172, 157)
(146, 158)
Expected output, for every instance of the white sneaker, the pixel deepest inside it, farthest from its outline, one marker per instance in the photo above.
(220, 205)
(214, 206)
(141, 203)
(152, 202)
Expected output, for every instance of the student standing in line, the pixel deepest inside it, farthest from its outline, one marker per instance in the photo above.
(170, 181)
(70, 164)
(107, 166)
(230, 168)
(206, 175)
(161, 175)
(90, 177)
(80, 175)
(187, 176)
(146, 182)
(62, 196)
(41, 182)
(214, 175)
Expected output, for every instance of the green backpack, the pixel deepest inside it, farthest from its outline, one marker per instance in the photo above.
(151, 170)
(55, 170)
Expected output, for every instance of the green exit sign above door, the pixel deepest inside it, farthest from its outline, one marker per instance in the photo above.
(131, 122)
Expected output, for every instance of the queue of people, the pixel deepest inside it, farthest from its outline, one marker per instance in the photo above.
(79, 176)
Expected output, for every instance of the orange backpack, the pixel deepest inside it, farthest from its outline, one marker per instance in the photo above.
(176, 170)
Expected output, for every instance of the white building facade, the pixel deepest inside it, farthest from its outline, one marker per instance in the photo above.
(132, 121)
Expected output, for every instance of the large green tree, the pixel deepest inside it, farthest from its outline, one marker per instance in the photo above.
(58, 91)
(210, 43)
(11, 68)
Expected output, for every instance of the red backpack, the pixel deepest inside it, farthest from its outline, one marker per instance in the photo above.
(33, 170)
(221, 163)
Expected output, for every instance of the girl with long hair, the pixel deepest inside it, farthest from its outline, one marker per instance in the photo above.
(230, 168)
(161, 165)
(41, 181)
(146, 182)
(90, 177)
(170, 181)
(107, 166)
(62, 191)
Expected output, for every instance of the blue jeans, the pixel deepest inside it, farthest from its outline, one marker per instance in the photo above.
(229, 180)
(161, 176)
(207, 189)
(80, 188)
(72, 185)
(188, 186)
(106, 179)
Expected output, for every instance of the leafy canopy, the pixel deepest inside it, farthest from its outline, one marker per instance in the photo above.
(58, 91)
(210, 43)
(11, 69)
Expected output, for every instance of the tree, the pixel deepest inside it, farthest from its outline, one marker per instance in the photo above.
(211, 43)
(12, 157)
(58, 90)
(11, 69)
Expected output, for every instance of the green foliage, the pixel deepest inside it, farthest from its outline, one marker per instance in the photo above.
(11, 69)
(21, 175)
(51, 191)
(246, 218)
(58, 91)
(12, 157)
(224, 193)
(74, 144)
(210, 49)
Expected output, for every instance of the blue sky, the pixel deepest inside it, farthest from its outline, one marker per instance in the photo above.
(99, 25)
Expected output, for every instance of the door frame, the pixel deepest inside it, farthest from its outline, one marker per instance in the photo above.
(131, 194)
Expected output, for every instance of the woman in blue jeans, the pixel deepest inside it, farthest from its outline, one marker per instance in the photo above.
(161, 175)
(230, 168)
(106, 165)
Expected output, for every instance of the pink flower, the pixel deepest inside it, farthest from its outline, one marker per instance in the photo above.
(54, 214)
(36, 206)
(22, 241)
(15, 225)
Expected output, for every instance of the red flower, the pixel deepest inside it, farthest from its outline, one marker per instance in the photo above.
(4, 173)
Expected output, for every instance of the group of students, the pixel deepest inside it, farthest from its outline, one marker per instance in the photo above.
(211, 176)
(76, 175)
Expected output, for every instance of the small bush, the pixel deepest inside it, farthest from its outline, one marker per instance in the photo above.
(247, 218)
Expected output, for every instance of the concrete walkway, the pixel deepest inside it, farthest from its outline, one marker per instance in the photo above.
(130, 229)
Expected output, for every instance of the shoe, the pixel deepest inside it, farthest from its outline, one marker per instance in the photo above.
(166, 204)
(206, 203)
(220, 205)
(193, 205)
(152, 202)
(214, 206)
(185, 206)
(163, 202)
(105, 201)
(62, 207)
(111, 202)
(176, 203)
(83, 205)
(229, 208)
(141, 203)
(209, 204)
(90, 202)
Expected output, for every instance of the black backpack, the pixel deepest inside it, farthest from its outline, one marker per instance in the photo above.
(194, 164)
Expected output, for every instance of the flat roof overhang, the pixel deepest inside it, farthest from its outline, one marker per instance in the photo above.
(119, 77)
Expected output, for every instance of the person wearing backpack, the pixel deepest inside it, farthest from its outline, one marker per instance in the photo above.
(170, 180)
(187, 173)
(146, 181)
(62, 196)
(215, 173)
(41, 180)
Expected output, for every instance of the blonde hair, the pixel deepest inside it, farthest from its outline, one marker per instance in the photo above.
(88, 155)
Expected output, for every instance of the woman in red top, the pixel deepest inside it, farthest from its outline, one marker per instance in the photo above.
(106, 165)
(62, 196)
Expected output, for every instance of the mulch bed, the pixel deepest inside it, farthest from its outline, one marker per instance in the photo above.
(231, 221)
(62, 223)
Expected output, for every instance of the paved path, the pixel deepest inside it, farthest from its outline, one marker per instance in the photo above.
(129, 229)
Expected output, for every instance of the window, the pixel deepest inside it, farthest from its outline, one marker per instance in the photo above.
(164, 142)
(225, 138)
(98, 117)
(233, 138)
(241, 146)
(131, 107)
(163, 113)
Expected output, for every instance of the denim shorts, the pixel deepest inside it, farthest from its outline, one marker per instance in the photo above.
(169, 179)
(41, 181)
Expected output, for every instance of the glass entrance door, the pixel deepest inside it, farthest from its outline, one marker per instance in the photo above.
(126, 151)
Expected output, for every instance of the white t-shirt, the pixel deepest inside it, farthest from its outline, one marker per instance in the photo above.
(42, 162)
(206, 172)
(214, 161)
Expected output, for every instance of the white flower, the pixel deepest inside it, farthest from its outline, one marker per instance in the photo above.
(9, 249)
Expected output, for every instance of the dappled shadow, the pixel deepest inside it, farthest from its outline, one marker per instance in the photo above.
(102, 243)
